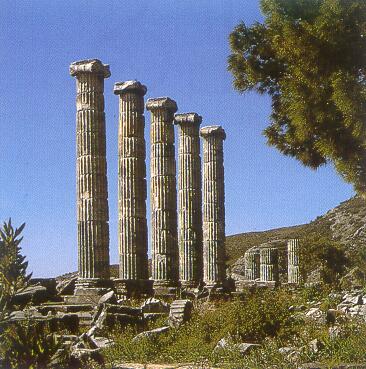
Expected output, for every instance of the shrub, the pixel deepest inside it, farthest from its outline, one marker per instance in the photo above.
(261, 314)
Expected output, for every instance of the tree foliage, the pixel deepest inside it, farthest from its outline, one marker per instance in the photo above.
(326, 256)
(309, 56)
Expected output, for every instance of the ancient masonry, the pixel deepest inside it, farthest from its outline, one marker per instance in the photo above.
(214, 272)
(189, 200)
(184, 253)
(252, 264)
(132, 226)
(269, 265)
(165, 263)
(293, 251)
(92, 193)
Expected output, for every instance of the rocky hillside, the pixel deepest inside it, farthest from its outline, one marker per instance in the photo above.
(345, 223)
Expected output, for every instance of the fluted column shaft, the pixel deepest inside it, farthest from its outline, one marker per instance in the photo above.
(269, 265)
(165, 268)
(293, 251)
(132, 226)
(214, 273)
(189, 199)
(252, 265)
(91, 171)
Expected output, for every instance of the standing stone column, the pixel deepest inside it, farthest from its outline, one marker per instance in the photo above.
(132, 226)
(92, 192)
(165, 267)
(269, 265)
(214, 273)
(252, 264)
(189, 200)
(293, 251)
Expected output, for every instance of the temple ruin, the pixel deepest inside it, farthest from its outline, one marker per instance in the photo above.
(264, 265)
(187, 223)
(188, 245)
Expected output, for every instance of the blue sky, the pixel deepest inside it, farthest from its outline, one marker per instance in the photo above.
(178, 49)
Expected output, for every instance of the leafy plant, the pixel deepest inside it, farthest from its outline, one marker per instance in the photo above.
(13, 267)
(308, 56)
(23, 345)
(28, 346)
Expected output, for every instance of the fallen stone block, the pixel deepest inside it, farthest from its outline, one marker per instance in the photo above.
(32, 294)
(180, 312)
(153, 305)
(66, 286)
(316, 315)
(108, 297)
(154, 333)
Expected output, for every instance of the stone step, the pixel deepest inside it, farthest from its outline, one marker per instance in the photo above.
(85, 318)
(65, 308)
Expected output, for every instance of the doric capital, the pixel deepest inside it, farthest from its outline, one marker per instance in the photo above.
(213, 131)
(164, 103)
(90, 66)
(188, 118)
(129, 86)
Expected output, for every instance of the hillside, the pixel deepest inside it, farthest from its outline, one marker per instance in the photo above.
(345, 223)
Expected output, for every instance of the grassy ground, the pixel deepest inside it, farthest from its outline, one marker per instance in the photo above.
(264, 317)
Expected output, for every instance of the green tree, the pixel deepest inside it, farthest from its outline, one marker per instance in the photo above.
(309, 56)
(324, 254)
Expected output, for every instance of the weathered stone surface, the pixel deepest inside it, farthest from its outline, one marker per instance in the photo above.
(316, 315)
(54, 308)
(57, 322)
(32, 294)
(269, 265)
(165, 267)
(180, 312)
(92, 190)
(315, 345)
(109, 297)
(102, 342)
(132, 225)
(214, 273)
(94, 66)
(245, 348)
(49, 283)
(154, 333)
(252, 264)
(293, 253)
(152, 317)
(108, 315)
(228, 344)
(66, 286)
(153, 305)
(189, 199)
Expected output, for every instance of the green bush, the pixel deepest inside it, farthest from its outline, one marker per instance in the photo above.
(27, 346)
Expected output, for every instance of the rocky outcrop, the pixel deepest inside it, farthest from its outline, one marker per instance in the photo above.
(345, 223)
